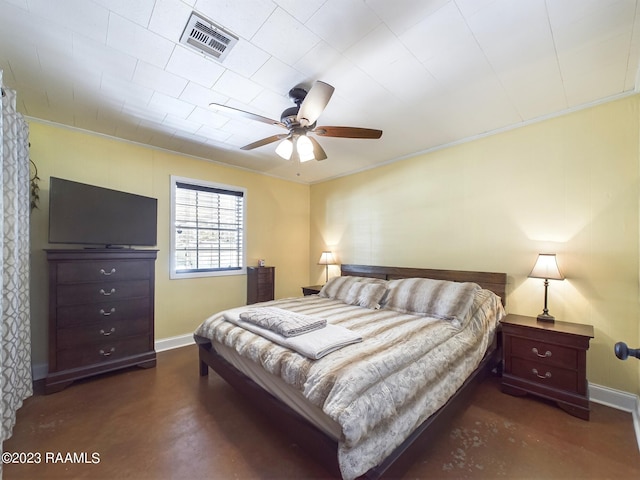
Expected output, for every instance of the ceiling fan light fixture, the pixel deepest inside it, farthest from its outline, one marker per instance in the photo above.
(304, 147)
(285, 149)
(300, 120)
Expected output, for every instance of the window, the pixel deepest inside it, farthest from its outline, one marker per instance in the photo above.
(207, 235)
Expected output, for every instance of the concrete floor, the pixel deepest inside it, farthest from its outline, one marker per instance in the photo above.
(169, 423)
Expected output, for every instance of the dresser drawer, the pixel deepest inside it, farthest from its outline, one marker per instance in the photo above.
(75, 294)
(543, 353)
(265, 296)
(107, 330)
(103, 352)
(264, 275)
(544, 374)
(100, 270)
(127, 310)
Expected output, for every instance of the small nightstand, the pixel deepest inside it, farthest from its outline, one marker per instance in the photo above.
(311, 290)
(548, 359)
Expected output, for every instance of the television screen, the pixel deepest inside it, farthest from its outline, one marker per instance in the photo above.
(86, 214)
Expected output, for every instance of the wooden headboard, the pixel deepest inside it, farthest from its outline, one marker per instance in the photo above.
(496, 282)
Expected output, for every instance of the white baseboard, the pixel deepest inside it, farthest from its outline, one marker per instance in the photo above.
(174, 342)
(39, 371)
(625, 401)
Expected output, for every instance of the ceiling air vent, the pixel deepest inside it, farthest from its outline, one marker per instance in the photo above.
(207, 37)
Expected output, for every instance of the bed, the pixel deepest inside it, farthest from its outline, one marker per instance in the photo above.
(369, 405)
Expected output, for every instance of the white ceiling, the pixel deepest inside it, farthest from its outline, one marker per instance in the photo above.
(426, 72)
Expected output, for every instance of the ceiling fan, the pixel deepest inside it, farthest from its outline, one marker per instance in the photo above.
(300, 121)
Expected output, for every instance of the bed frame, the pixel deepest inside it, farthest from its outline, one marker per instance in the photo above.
(315, 442)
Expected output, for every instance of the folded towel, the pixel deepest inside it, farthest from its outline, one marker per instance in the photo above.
(314, 345)
(284, 322)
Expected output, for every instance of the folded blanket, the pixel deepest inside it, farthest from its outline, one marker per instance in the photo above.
(314, 345)
(284, 322)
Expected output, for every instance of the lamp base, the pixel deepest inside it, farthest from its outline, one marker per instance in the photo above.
(543, 317)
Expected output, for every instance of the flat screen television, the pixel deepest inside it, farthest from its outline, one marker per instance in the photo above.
(91, 215)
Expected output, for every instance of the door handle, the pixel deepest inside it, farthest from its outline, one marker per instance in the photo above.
(623, 352)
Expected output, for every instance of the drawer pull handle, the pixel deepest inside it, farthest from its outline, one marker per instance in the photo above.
(106, 314)
(546, 354)
(103, 272)
(546, 375)
(106, 354)
(106, 294)
(106, 334)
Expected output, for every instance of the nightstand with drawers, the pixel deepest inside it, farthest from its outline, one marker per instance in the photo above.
(311, 290)
(547, 359)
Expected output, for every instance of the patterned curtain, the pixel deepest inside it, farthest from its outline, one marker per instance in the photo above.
(15, 330)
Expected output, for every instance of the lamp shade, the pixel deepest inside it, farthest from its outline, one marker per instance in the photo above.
(546, 267)
(326, 259)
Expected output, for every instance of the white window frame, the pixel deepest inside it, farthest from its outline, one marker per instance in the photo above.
(173, 274)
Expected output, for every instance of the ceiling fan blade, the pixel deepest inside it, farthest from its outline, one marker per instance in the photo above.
(314, 103)
(265, 141)
(241, 113)
(318, 151)
(347, 132)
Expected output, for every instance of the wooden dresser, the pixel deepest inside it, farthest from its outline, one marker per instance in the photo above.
(548, 359)
(101, 309)
(260, 284)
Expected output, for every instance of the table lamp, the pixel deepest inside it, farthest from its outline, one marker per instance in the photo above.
(326, 259)
(546, 268)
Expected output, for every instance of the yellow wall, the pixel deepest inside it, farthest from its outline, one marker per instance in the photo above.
(568, 185)
(277, 223)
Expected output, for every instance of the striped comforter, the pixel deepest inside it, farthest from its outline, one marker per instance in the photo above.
(381, 389)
